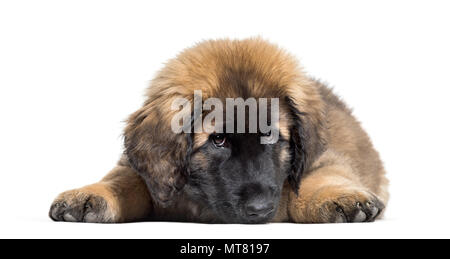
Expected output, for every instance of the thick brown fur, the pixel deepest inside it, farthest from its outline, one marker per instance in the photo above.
(339, 176)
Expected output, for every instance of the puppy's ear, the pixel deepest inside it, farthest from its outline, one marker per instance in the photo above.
(158, 154)
(306, 141)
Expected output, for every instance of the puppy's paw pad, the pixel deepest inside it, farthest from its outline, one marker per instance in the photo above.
(77, 206)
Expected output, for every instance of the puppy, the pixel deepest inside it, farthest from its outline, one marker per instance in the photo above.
(321, 168)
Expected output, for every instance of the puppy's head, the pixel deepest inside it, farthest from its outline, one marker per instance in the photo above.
(233, 174)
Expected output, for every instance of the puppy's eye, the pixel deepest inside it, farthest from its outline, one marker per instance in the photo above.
(219, 140)
(267, 134)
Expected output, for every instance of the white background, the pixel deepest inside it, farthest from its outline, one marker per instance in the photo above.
(72, 71)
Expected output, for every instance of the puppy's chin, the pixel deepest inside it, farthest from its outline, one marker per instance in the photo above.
(233, 217)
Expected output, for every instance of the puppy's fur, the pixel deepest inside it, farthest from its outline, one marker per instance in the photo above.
(323, 169)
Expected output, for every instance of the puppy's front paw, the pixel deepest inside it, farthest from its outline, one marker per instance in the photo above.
(82, 205)
(336, 204)
(340, 205)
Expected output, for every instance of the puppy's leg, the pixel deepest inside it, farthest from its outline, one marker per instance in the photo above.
(121, 196)
(333, 194)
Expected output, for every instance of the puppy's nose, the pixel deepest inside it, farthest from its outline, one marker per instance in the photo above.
(259, 208)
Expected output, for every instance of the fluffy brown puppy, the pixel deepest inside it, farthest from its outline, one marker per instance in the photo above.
(322, 169)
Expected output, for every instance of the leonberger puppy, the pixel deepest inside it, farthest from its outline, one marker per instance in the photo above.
(322, 168)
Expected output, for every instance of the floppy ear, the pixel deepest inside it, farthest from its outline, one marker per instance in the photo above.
(158, 154)
(306, 142)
